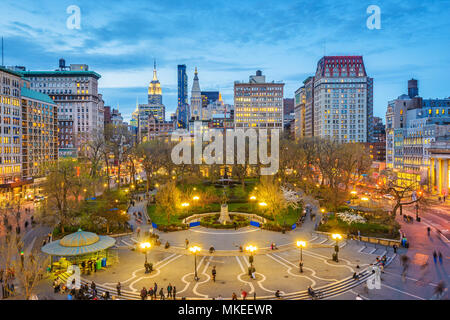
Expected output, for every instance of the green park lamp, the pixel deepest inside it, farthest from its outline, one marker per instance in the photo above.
(194, 250)
(301, 245)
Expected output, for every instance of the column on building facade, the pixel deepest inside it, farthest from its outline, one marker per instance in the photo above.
(432, 174)
(440, 174)
(445, 182)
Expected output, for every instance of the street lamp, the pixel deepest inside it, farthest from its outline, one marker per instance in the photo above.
(194, 250)
(301, 245)
(263, 204)
(252, 198)
(337, 237)
(251, 249)
(185, 204)
(196, 198)
(145, 246)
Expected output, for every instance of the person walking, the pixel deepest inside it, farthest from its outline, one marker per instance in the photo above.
(169, 291)
(155, 290)
(395, 248)
(174, 293)
(151, 294)
(234, 296)
(243, 294)
(143, 293)
(118, 287)
(440, 257)
(214, 272)
(435, 257)
(187, 243)
(161, 294)
(428, 231)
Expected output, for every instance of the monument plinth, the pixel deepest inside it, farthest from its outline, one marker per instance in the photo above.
(224, 216)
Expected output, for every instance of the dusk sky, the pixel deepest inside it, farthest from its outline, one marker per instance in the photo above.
(229, 40)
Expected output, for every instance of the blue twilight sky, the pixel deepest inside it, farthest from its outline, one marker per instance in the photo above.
(229, 40)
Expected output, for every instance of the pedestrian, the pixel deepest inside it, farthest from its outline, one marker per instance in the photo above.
(187, 243)
(440, 257)
(174, 292)
(235, 225)
(161, 294)
(234, 296)
(155, 290)
(428, 230)
(395, 248)
(435, 257)
(278, 294)
(169, 291)
(214, 272)
(118, 287)
(151, 294)
(243, 294)
(358, 297)
(143, 293)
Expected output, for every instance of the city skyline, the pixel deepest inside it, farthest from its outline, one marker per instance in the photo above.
(273, 40)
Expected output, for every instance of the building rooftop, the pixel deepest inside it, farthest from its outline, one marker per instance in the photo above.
(11, 71)
(62, 72)
(25, 92)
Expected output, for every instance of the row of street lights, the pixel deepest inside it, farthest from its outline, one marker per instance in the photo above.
(251, 249)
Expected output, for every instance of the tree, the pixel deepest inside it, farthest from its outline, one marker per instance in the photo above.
(28, 266)
(64, 185)
(268, 191)
(153, 157)
(109, 212)
(168, 199)
(401, 192)
(118, 141)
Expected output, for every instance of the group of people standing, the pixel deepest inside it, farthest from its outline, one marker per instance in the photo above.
(152, 293)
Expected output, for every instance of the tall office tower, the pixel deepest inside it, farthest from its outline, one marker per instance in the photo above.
(196, 99)
(107, 115)
(413, 88)
(309, 106)
(155, 97)
(299, 113)
(75, 89)
(258, 104)
(10, 135)
(343, 99)
(39, 133)
(183, 112)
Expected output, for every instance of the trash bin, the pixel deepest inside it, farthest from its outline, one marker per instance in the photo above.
(103, 262)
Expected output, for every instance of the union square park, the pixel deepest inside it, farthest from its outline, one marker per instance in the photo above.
(322, 227)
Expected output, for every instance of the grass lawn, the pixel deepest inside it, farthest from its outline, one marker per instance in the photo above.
(289, 217)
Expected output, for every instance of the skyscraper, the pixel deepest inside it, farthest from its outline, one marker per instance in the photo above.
(196, 99)
(183, 107)
(343, 99)
(154, 106)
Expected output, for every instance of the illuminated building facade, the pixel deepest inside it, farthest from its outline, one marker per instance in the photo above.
(258, 104)
(343, 99)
